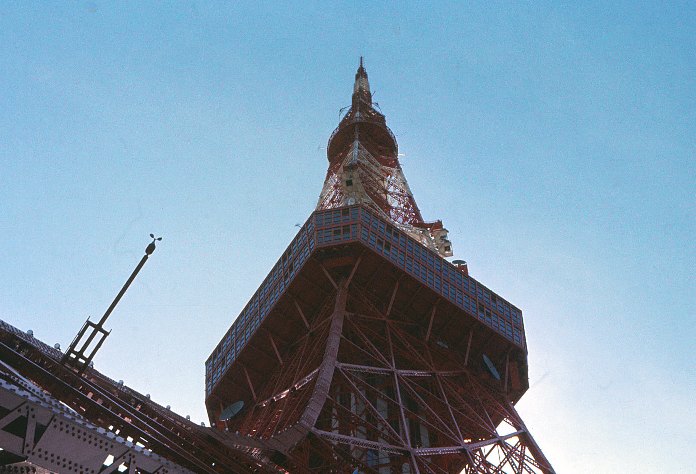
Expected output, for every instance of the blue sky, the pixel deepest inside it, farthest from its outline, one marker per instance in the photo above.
(556, 141)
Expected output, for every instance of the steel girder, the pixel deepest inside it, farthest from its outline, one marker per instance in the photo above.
(38, 430)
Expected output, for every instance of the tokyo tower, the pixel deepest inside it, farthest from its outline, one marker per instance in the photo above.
(362, 351)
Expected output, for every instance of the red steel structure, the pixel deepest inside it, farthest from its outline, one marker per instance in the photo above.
(364, 169)
(364, 351)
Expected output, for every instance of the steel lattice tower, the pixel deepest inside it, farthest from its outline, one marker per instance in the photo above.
(364, 350)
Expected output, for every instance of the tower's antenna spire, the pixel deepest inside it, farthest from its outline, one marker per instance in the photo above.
(361, 88)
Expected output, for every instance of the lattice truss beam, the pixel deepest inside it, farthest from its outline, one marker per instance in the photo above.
(365, 388)
(37, 430)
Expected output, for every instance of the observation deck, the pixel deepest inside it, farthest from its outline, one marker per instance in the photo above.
(372, 123)
(353, 242)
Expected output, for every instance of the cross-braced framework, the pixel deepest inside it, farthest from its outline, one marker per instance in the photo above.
(365, 389)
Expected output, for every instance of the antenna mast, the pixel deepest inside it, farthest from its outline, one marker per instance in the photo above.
(79, 359)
